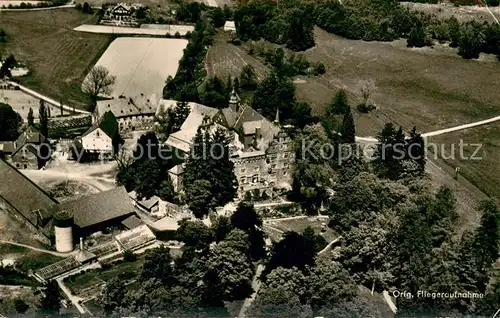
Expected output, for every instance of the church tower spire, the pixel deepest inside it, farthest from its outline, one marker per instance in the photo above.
(234, 101)
(277, 118)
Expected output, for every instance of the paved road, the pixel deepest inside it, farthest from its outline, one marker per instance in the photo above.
(37, 249)
(45, 98)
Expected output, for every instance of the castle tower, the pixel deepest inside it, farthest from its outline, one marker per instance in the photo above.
(234, 101)
(63, 227)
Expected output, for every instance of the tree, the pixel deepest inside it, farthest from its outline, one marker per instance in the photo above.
(31, 118)
(199, 197)
(330, 284)
(214, 93)
(246, 218)
(313, 174)
(417, 37)
(233, 271)
(294, 250)
(112, 296)
(178, 115)
(10, 123)
(98, 82)
(20, 305)
(339, 104)
(471, 41)
(194, 234)
(9, 63)
(488, 234)
(209, 180)
(300, 34)
(51, 301)
(86, 8)
(157, 266)
(222, 227)
(367, 88)
(348, 131)
(239, 240)
(248, 79)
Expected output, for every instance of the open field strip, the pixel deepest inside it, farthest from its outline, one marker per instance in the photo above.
(172, 29)
(427, 88)
(16, 3)
(58, 57)
(141, 65)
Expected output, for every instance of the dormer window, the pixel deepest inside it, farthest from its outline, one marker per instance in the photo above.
(97, 133)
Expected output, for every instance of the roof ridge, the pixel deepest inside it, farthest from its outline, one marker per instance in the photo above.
(30, 181)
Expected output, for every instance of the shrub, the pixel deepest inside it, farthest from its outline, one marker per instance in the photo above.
(365, 108)
(20, 305)
(128, 256)
(319, 69)
(168, 35)
(177, 35)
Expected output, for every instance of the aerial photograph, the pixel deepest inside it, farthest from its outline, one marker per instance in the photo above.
(249, 158)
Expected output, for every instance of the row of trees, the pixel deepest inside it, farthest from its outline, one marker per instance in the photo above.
(191, 72)
(291, 22)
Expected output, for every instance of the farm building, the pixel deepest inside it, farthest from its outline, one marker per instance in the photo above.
(53, 222)
(260, 149)
(30, 151)
(96, 212)
(26, 202)
(136, 113)
(102, 138)
(121, 14)
(229, 26)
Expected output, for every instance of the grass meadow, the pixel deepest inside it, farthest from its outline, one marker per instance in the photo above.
(58, 57)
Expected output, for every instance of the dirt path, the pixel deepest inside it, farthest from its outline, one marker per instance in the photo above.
(255, 286)
(40, 9)
(329, 245)
(441, 131)
(36, 248)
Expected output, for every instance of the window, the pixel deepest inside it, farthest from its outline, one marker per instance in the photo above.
(243, 170)
(285, 173)
(285, 155)
(273, 166)
(243, 180)
(97, 133)
(255, 179)
(256, 169)
(286, 165)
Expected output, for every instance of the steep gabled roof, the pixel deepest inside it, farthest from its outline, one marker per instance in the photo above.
(108, 124)
(22, 193)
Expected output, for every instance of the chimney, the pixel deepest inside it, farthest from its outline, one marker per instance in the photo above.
(258, 133)
(81, 244)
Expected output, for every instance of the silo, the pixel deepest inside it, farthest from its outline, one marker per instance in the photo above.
(63, 227)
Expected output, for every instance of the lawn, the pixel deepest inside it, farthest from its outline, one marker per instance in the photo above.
(224, 59)
(428, 88)
(299, 225)
(124, 270)
(483, 172)
(58, 57)
(26, 259)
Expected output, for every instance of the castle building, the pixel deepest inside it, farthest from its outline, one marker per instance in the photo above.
(260, 149)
